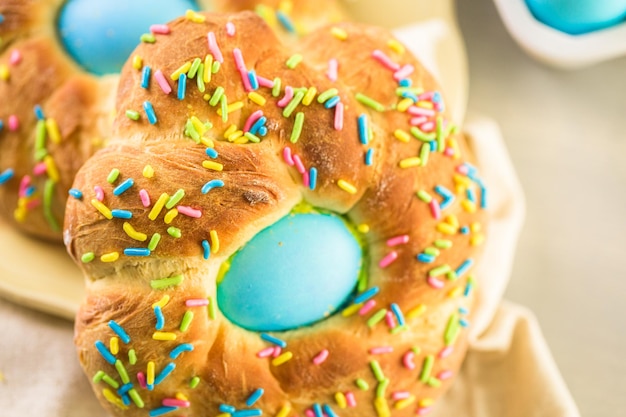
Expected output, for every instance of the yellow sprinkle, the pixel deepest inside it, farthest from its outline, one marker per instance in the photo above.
(404, 403)
(446, 229)
(416, 311)
(413, 161)
(340, 399)
(164, 336)
(51, 168)
(285, 6)
(402, 135)
(363, 228)
(158, 206)
(339, 33)
(113, 399)
(231, 129)
(404, 104)
(477, 240)
(282, 358)
(215, 166)
(104, 210)
(4, 72)
(224, 415)
(221, 273)
(455, 147)
(150, 373)
(309, 96)
(240, 140)
(475, 227)
(231, 107)
(182, 69)
(426, 402)
(110, 257)
(133, 234)
(468, 206)
(380, 403)
(215, 241)
(462, 180)
(162, 302)
(148, 171)
(114, 345)
(181, 396)
(170, 216)
(53, 130)
(200, 127)
(396, 46)
(208, 63)
(346, 186)
(235, 135)
(426, 104)
(207, 142)
(452, 220)
(137, 62)
(351, 310)
(257, 98)
(19, 214)
(194, 17)
(455, 292)
(284, 411)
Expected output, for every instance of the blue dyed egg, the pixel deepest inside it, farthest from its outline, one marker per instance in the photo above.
(101, 34)
(295, 272)
(578, 16)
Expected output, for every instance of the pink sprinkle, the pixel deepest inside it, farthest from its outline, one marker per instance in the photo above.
(462, 169)
(427, 95)
(427, 126)
(416, 121)
(299, 165)
(142, 380)
(446, 351)
(407, 360)
(277, 351)
(333, 66)
(449, 151)
(175, 402)
(265, 353)
(162, 81)
(350, 399)
(252, 119)
(435, 283)
(398, 240)
(380, 350)
(400, 395)
(264, 82)
(439, 106)
(36, 202)
(420, 111)
(230, 29)
(422, 411)
(309, 413)
(287, 156)
(339, 116)
(14, 123)
(160, 29)
(286, 98)
(145, 197)
(435, 209)
(320, 357)
(387, 62)
(197, 302)
(99, 192)
(24, 183)
(15, 57)
(445, 374)
(306, 179)
(214, 48)
(390, 320)
(40, 169)
(367, 307)
(189, 211)
(403, 72)
(241, 67)
(388, 259)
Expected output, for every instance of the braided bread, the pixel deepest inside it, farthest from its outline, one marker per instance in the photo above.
(195, 247)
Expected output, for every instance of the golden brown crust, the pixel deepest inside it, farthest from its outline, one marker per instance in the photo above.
(434, 292)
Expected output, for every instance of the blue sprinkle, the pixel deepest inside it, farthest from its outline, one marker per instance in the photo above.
(443, 191)
(369, 157)
(77, 194)
(6, 175)
(468, 289)
(137, 252)
(285, 21)
(258, 124)
(145, 77)
(212, 184)
(329, 411)
(436, 97)
(364, 296)
(152, 118)
(464, 322)
(465, 230)
(446, 202)
(313, 178)
(363, 129)
(211, 153)
(164, 373)
(120, 189)
(206, 249)
(254, 81)
(263, 131)
(467, 264)
(125, 399)
(225, 408)
(29, 191)
(412, 96)
(471, 169)
(425, 258)
(156, 412)
(119, 331)
(39, 112)
(332, 102)
(125, 388)
(178, 350)
(150, 387)
(182, 86)
(483, 198)
(121, 214)
(433, 146)
(398, 313)
(1, 125)
(405, 82)
(463, 310)
(254, 412)
(273, 340)
(254, 397)
(471, 196)
(317, 409)
(108, 356)
(1, 18)
(160, 319)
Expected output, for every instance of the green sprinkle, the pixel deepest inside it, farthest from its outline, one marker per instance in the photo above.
(424, 137)
(110, 381)
(122, 371)
(427, 367)
(194, 382)
(212, 309)
(148, 38)
(215, 67)
(382, 387)
(297, 127)
(174, 232)
(186, 321)
(134, 395)
(452, 330)
(40, 135)
(377, 317)
(295, 101)
(87, 257)
(412, 90)
(200, 79)
(174, 199)
(159, 284)
(440, 270)
(132, 115)
(471, 280)
(40, 154)
(443, 243)
(362, 384)
(190, 130)
(252, 137)
(377, 370)
(154, 241)
(294, 60)
(132, 357)
(331, 92)
(217, 95)
(48, 192)
(369, 102)
(452, 276)
(224, 103)
(399, 329)
(432, 251)
(424, 153)
(441, 144)
(416, 349)
(276, 87)
(98, 377)
(424, 196)
(113, 175)
(195, 66)
(433, 382)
